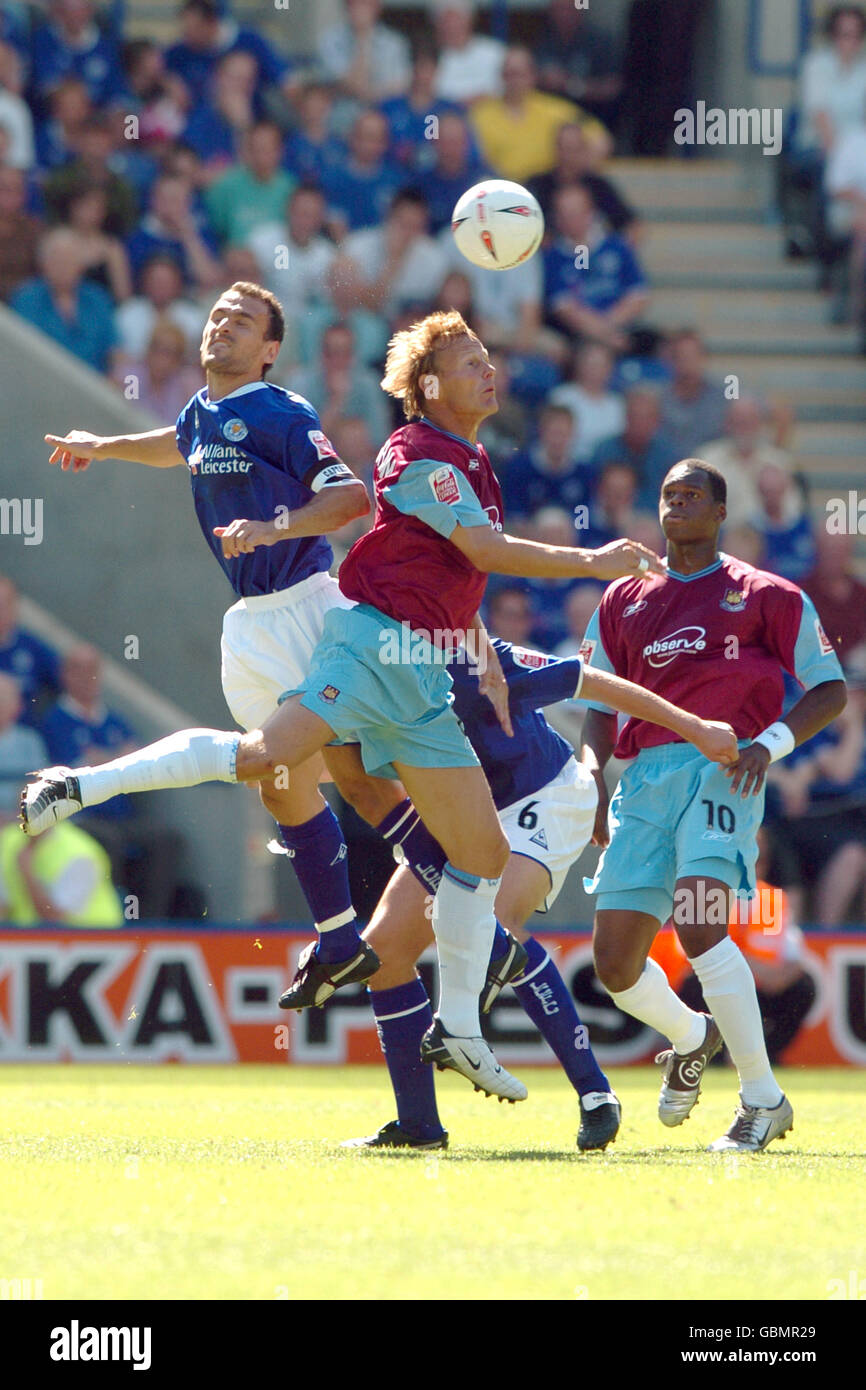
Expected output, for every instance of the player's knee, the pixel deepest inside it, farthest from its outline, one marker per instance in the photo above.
(616, 971)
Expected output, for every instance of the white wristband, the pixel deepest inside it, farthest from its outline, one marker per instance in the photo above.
(778, 740)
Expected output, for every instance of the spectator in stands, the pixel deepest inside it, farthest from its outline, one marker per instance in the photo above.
(456, 293)
(160, 97)
(15, 115)
(773, 945)
(517, 131)
(93, 166)
(366, 59)
(22, 750)
(58, 133)
(509, 614)
(845, 183)
(354, 444)
(576, 161)
(594, 284)
(77, 314)
(782, 519)
(71, 43)
(384, 268)
(741, 454)
(359, 190)
(105, 260)
(217, 126)
(578, 60)
(19, 232)
(833, 82)
(694, 404)
(340, 386)
(548, 474)
(169, 228)
(641, 444)
(32, 664)
(614, 507)
(505, 434)
(470, 64)
(838, 595)
(455, 167)
(598, 411)
(253, 192)
(579, 606)
(63, 877)
(312, 147)
(547, 597)
(163, 380)
(415, 138)
(161, 294)
(823, 791)
(207, 37)
(295, 255)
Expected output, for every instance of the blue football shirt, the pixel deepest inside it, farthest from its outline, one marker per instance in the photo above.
(254, 454)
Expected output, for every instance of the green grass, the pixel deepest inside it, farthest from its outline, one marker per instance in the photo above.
(185, 1183)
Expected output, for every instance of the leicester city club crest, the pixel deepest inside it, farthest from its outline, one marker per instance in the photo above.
(235, 430)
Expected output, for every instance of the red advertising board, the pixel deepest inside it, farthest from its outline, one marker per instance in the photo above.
(169, 994)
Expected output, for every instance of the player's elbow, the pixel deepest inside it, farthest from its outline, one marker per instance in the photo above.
(356, 501)
(478, 544)
(836, 695)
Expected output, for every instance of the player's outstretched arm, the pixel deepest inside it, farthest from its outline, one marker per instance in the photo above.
(494, 552)
(330, 509)
(156, 448)
(717, 741)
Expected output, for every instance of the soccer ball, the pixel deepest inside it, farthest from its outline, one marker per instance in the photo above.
(497, 224)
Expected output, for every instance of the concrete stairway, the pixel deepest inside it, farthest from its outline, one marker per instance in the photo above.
(716, 261)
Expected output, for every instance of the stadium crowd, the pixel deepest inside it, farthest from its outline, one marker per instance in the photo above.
(137, 180)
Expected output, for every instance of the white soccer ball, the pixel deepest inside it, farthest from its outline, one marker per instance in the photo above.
(497, 224)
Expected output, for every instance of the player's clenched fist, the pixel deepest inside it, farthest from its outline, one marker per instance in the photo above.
(76, 449)
(620, 558)
(241, 537)
(717, 741)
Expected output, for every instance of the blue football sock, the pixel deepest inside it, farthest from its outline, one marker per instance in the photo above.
(318, 853)
(547, 1000)
(403, 1015)
(404, 828)
(500, 943)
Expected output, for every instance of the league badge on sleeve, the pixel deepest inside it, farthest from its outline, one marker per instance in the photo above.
(445, 486)
(322, 444)
(585, 650)
(823, 640)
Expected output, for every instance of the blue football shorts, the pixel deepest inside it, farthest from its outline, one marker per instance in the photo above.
(673, 816)
(397, 710)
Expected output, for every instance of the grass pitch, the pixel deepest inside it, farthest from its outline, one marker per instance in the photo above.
(182, 1183)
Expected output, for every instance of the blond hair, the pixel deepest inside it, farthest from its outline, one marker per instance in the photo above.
(412, 355)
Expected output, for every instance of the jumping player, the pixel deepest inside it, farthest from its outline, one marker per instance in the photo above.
(422, 569)
(546, 803)
(267, 487)
(714, 635)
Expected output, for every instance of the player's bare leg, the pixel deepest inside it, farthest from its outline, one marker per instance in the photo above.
(637, 985)
(371, 797)
(457, 809)
(728, 985)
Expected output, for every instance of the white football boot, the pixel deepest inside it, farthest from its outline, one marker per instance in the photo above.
(53, 797)
(472, 1058)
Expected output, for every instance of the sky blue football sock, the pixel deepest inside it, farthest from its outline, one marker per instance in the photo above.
(403, 1015)
(318, 853)
(547, 1000)
(404, 830)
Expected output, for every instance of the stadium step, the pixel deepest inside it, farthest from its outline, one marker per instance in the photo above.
(739, 307)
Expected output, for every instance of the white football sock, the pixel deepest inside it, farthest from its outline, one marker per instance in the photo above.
(183, 759)
(729, 989)
(464, 925)
(652, 1000)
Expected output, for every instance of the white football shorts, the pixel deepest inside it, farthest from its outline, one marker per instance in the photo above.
(267, 643)
(554, 824)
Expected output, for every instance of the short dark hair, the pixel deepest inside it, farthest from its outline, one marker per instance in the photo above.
(841, 12)
(208, 9)
(410, 195)
(276, 329)
(716, 480)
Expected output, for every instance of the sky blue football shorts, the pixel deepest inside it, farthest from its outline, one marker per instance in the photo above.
(674, 816)
(398, 710)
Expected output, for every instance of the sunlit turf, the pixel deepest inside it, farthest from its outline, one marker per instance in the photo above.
(229, 1182)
